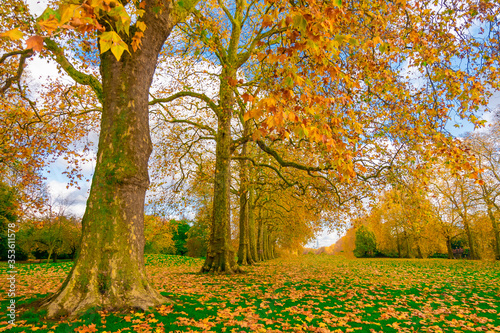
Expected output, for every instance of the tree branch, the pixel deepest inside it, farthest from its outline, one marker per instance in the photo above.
(79, 77)
(24, 55)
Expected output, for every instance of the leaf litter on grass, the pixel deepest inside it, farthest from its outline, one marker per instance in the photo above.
(305, 294)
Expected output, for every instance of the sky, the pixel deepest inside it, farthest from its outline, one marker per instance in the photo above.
(74, 199)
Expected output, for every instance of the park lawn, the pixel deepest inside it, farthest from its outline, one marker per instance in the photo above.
(310, 294)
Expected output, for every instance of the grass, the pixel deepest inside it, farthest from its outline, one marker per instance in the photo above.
(310, 294)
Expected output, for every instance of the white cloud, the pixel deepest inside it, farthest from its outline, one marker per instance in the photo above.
(326, 238)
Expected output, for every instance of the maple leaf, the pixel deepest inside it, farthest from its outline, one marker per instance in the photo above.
(13, 34)
(35, 43)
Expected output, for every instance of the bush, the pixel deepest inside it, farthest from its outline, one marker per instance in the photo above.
(365, 243)
(439, 256)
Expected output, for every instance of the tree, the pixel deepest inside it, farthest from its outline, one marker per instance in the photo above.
(9, 207)
(158, 234)
(109, 271)
(365, 243)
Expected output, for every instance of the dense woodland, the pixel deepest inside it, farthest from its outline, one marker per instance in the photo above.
(266, 121)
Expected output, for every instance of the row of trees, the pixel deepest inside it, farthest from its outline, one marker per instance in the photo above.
(449, 213)
(315, 100)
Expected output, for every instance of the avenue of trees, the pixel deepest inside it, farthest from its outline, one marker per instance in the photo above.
(267, 120)
(447, 214)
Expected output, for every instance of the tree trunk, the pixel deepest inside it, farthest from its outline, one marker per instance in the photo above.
(448, 247)
(220, 255)
(398, 243)
(472, 248)
(419, 250)
(260, 239)
(266, 242)
(109, 271)
(252, 239)
(244, 256)
(496, 233)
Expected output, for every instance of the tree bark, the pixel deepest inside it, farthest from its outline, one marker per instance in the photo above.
(220, 255)
(109, 271)
(472, 249)
(252, 239)
(260, 239)
(244, 256)
(496, 233)
(448, 247)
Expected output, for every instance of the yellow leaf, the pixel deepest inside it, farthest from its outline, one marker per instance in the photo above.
(49, 25)
(118, 49)
(13, 34)
(141, 26)
(68, 12)
(111, 40)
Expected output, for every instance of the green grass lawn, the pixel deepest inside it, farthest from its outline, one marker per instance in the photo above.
(308, 294)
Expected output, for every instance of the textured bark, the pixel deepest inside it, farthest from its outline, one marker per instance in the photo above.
(496, 233)
(260, 239)
(244, 256)
(470, 239)
(109, 271)
(252, 239)
(220, 255)
(448, 248)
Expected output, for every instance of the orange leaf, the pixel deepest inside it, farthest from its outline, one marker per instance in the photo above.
(35, 43)
(247, 97)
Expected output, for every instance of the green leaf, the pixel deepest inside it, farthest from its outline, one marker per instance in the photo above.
(337, 3)
(300, 22)
(47, 13)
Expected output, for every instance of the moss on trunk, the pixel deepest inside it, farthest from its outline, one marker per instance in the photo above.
(109, 271)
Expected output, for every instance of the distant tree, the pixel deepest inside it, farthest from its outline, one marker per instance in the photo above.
(8, 206)
(180, 235)
(8, 214)
(365, 243)
(159, 234)
(50, 237)
(197, 239)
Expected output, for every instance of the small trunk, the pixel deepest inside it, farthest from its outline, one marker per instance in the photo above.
(496, 233)
(244, 256)
(472, 248)
(448, 247)
(407, 245)
(398, 243)
(260, 243)
(419, 250)
(252, 237)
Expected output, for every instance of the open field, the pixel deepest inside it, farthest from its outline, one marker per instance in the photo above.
(310, 294)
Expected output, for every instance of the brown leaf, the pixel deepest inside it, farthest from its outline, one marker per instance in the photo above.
(35, 43)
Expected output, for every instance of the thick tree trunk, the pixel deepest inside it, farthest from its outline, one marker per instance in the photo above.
(220, 255)
(109, 271)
